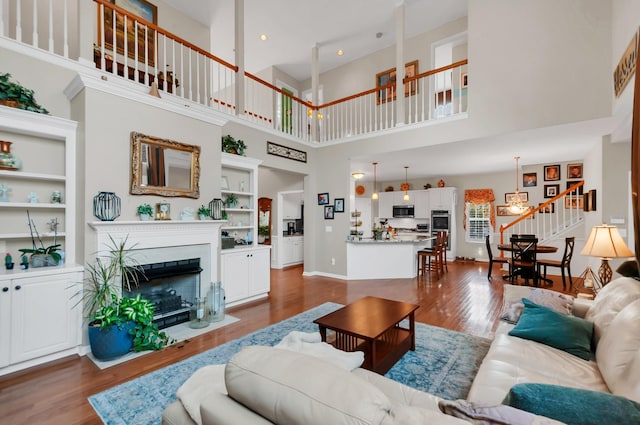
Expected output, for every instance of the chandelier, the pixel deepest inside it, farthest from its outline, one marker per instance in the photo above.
(517, 204)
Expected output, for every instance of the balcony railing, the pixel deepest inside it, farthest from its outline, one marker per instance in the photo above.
(128, 46)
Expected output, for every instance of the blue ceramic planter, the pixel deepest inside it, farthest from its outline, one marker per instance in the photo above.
(111, 342)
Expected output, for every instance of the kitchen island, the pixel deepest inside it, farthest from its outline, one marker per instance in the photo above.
(383, 259)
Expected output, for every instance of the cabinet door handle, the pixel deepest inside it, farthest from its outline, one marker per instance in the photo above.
(18, 287)
(5, 289)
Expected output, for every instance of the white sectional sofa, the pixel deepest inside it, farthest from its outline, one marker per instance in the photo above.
(263, 385)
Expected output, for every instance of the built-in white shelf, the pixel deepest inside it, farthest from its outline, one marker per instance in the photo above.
(31, 176)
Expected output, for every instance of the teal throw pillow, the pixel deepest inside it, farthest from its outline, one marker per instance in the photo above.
(557, 330)
(573, 406)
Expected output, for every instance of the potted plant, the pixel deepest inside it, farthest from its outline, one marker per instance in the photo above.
(118, 324)
(263, 233)
(231, 200)
(41, 256)
(231, 145)
(14, 95)
(203, 212)
(145, 212)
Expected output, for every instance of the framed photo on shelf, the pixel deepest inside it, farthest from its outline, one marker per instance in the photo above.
(224, 183)
(580, 189)
(328, 212)
(551, 173)
(574, 202)
(574, 171)
(529, 179)
(508, 197)
(323, 198)
(338, 205)
(549, 209)
(145, 45)
(551, 190)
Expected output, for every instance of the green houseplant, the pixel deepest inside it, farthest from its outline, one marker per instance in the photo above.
(41, 256)
(118, 324)
(231, 145)
(231, 200)
(14, 95)
(204, 212)
(145, 212)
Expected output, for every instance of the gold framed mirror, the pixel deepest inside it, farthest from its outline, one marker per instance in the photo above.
(164, 167)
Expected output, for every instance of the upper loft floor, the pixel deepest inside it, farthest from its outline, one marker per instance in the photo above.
(128, 45)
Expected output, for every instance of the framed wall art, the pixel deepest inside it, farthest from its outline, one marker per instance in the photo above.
(145, 36)
(580, 189)
(529, 179)
(338, 205)
(551, 173)
(464, 80)
(574, 171)
(551, 190)
(387, 77)
(549, 209)
(574, 202)
(328, 212)
(323, 198)
(508, 197)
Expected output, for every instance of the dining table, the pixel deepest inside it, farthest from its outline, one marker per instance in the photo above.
(540, 249)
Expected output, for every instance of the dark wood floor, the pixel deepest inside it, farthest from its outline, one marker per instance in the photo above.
(56, 393)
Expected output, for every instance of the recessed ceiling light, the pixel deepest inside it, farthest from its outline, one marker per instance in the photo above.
(340, 52)
(263, 37)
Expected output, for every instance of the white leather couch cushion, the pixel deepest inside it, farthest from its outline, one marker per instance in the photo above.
(512, 360)
(287, 387)
(618, 353)
(610, 300)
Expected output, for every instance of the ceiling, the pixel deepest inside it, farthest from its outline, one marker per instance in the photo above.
(293, 27)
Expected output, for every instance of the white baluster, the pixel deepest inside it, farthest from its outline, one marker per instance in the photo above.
(51, 26)
(19, 20)
(34, 41)
(66, 30)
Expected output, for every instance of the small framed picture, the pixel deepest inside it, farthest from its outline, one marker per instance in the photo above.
(503, 210)
(590, 200)
(464, 80)
(529, 179)
(323, 198)
(224, 183)
(551, 173)
(549, 209)
(574, 171)
(508, 197)
(338, 205)
(551, 190)
(328, 212)
(574, 202)
(580, 189)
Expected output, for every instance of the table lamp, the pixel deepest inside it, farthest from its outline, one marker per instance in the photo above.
(605, 242)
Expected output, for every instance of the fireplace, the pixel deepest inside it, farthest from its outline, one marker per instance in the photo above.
(172, 287)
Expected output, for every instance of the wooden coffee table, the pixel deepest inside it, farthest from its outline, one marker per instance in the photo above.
(372, 325)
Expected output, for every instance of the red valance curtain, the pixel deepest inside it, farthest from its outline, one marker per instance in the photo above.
(480, 196)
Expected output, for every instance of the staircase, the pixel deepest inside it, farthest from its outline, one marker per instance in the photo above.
(551, 219)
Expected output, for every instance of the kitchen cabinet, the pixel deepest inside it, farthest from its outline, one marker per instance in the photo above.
(39, 319)
(442, 198)
(385, 204)
(289, 251)
(245, 274)
(421, 202)
(418, 198)
(292, 206)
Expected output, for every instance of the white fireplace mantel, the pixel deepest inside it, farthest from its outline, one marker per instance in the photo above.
(162, 234)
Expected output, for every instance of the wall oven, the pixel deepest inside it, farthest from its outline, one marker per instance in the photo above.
(400, 211)
(440, 221)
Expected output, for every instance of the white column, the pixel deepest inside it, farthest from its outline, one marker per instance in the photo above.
(400, 12)
(315, 76)
(239, 46)
(86, 24)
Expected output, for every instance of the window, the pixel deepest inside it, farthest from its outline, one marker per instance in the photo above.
(478, 223)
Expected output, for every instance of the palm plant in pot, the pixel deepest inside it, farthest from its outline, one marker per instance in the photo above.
(118, 324)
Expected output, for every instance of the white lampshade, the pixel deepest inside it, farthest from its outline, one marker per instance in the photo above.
(605, 242)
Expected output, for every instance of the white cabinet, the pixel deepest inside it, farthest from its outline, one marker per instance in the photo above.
(240, 174)
(385, 204)
(289, 250)
(245, 274)
(420, 200)
(39, 319)
(442, 198)
(292, 206)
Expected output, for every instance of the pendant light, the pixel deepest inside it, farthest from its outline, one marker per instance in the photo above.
(406, 190)
(374, 196)
(517, 205)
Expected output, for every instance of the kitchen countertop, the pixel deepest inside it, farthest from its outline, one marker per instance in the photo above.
(389, 241)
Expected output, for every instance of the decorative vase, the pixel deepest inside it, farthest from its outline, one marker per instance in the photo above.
(145, 217)
(7, 159)
(217, 300)
(215, 206)
(441, 183)
(111, 342)
(43, 260)
(106, 206)
(199, 314)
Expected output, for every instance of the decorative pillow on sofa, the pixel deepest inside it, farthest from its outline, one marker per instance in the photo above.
(485, 414)
(566, 333)
(513, 295)
(573, 406)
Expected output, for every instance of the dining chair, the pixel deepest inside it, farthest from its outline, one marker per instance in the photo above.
(564, 263)
(501, 260)
(523, 258)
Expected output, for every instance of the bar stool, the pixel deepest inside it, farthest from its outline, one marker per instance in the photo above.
(443, 250)
(425, 264)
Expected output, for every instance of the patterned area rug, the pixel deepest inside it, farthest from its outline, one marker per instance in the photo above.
(443, 364)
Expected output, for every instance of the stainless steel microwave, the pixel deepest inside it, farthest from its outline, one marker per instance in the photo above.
(400, 211)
